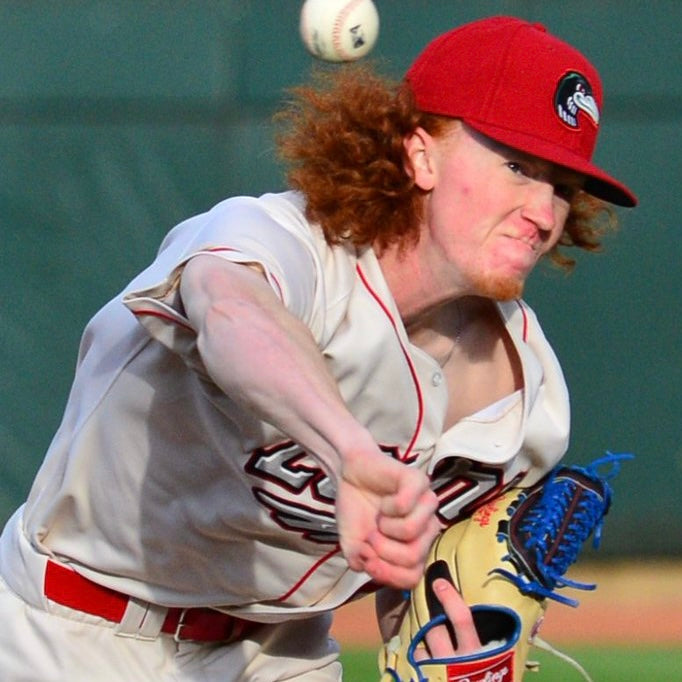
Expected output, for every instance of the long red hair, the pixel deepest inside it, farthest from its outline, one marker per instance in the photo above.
(341, 138)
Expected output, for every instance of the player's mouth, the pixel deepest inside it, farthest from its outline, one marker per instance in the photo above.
(526, 247)
(531, 240)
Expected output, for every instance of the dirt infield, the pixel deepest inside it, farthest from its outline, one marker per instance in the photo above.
(633, 603)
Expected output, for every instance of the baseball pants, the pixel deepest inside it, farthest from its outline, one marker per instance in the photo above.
(42, 641)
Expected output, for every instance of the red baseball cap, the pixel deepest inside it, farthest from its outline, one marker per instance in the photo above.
(515, 83)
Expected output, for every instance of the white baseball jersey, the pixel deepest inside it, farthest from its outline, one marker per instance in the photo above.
(158, 485)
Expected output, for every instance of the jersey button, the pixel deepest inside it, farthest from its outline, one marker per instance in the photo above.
(437, 379)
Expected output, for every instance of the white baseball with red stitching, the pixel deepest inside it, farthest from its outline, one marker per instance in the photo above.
(339, 30)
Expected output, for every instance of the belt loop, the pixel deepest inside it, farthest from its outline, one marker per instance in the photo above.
(177, 635)
(141, 620)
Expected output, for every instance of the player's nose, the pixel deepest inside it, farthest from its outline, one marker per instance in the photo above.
(539, 204)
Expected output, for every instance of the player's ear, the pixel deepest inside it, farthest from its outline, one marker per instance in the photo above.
(419, 162)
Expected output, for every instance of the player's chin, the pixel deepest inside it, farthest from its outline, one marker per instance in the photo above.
(502, 287)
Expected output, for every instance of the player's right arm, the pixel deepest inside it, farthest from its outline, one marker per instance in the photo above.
(267, 360)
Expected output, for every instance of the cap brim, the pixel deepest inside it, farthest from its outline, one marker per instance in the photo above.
(598, 183)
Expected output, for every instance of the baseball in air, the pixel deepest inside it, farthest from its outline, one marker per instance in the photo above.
(339, 30)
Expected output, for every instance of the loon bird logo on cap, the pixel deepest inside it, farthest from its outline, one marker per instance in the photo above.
(573, 95)
(516, 83)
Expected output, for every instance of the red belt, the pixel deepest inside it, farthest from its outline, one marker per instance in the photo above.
(68, 588)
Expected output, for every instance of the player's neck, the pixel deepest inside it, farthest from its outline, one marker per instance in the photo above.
(414, 285)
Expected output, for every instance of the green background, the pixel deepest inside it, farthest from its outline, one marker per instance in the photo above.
(603, 664)
(119, 119)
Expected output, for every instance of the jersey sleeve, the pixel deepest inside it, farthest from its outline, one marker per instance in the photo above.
(270, 233)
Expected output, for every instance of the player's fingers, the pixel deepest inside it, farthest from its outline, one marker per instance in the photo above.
(439, 643)
(402, 554)
(411, 490)
(459, 615)
(357, 554)
(408, 552)
(393, 575)
(414, 524)
(396, 564)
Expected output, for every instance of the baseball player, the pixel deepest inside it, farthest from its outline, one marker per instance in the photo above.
(283, 410)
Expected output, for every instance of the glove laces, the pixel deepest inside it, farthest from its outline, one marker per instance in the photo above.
(556, 527)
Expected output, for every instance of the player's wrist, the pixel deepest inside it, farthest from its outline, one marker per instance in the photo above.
(356, 456)
(336, 455)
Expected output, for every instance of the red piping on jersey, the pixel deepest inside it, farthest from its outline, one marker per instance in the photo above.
(525, 321)
(420, 418)
(413, 373)
(212, 249)
(163, 316)
(309, 572)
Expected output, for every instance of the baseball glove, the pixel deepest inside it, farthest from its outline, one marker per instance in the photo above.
(507, 560)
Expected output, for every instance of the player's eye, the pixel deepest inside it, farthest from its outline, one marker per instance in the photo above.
(517, 168)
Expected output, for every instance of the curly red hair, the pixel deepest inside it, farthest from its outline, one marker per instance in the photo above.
(342, 140)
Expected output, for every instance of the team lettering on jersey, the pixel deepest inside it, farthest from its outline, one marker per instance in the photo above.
(299, 496)
(463, 485)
